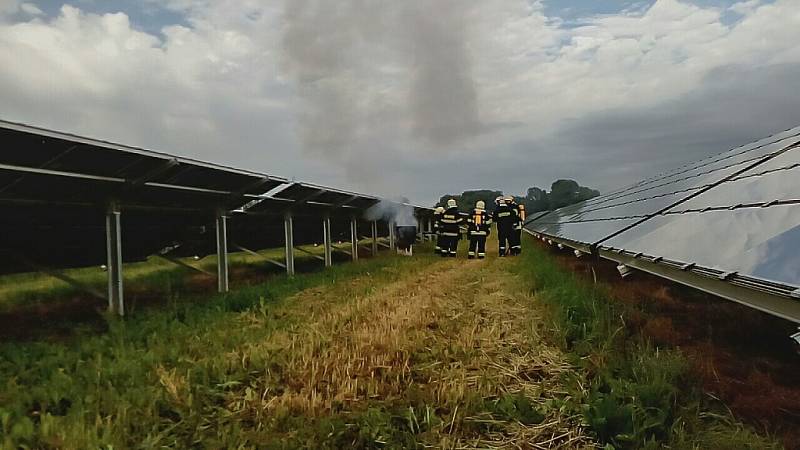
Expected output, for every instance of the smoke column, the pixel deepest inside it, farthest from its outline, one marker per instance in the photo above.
(398, 68)
(401, 214)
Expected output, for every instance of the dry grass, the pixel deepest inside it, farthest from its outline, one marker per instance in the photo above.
(454, 337)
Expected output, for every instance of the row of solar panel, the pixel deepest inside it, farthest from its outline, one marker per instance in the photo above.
(738, 211)
(55, 188)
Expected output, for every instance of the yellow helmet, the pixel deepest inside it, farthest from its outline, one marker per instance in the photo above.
(480, 204)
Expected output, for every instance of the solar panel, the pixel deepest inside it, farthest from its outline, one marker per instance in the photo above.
(758, 242)
(55, 189)
(586, 232)
(58, 167)
(710, 168)
(729, 224)
(334, 198)
(298, 192)
(304, 192)
(363, 203)
(648, 197)
(749, 224)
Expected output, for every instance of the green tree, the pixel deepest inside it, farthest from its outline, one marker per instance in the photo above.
(467, 199)
(562, 193)
(568, 192)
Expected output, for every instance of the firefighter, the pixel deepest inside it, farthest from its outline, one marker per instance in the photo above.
(450, 230)
(516, 235)
(505, 217)
(437, 228)
(479, 225)
(520, 225)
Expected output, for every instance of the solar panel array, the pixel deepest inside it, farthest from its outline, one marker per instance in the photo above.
(55, 189)
(734, 216)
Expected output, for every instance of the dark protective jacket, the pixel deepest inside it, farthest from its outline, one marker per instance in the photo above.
(437, 222)
(518, 212)
(505, 217)
(479, 223)
(451, 222)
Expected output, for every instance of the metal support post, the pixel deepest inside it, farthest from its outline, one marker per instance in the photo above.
(374, 238)
(354, 238)
(116, 301)
(392, 237)
(430, 230)
(289, 236)
(222, 252)
(327, 241)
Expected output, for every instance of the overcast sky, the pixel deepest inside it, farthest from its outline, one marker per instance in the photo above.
(412, 97)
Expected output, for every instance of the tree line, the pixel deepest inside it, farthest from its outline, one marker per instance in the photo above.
(562, 193)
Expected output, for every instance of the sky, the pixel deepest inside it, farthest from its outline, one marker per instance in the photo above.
(417, 97)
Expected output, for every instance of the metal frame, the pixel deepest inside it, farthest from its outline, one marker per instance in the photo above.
(223, 284)
(310, 253)
(354, 238)
(374, 228)
(392, 236)
(783, 307)
(57, 274)
(766, 297)
(180, 263)
(116, 300)
(327, 241)
(15, 126)
(289, 243)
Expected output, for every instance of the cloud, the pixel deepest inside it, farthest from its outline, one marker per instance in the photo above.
(411, 97)
(733, 105)
(31, 9)
(8, 7)
(351, 61)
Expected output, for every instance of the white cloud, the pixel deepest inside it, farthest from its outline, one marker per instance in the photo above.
(31, 9)
(745, 7)
(373, 81)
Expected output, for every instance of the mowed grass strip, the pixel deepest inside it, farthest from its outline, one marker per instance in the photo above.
(446, 358)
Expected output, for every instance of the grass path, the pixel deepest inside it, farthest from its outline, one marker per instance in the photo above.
(449, 357)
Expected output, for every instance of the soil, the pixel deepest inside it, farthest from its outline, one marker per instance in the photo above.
(744, 357)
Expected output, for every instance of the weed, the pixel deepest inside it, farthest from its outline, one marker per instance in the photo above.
(633, 394)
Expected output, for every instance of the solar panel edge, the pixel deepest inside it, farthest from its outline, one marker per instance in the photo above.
(75, 138)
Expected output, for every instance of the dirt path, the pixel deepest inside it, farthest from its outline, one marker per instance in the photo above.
(455, 345)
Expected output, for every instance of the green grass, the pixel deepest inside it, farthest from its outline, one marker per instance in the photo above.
(34, 288)
(242, 370)
(163, 377)
(632, 394)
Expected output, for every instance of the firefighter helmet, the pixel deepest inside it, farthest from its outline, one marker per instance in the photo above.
(480, 204)
(452, 203)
